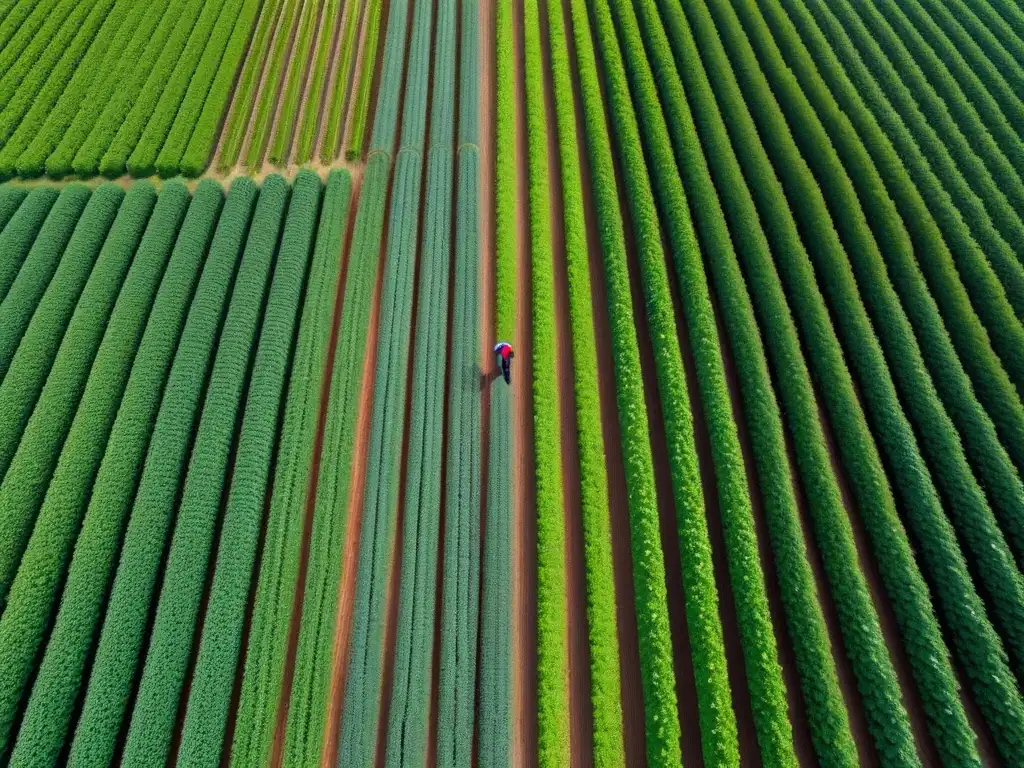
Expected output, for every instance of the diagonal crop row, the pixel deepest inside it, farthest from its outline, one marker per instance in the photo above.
(348, 52)
(11, 198)
(218, 656)
(169, 646)
(120, 642)
(20, 231)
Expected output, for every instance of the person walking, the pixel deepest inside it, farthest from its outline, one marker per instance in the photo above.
(503, 355)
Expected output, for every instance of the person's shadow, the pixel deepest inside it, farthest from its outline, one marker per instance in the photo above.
(488, 378)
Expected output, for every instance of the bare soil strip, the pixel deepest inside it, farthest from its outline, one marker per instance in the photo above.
(890, 629)
(524, 544)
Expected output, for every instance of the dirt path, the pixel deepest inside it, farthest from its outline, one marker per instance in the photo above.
(524, 544)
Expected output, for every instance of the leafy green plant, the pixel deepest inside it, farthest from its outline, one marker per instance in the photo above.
(294, 86)
(361, 97)
(19, 232)
(309, 127)
(346, 61)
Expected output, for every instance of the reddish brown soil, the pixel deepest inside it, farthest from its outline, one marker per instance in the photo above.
(524, 545)
(890, 629)
(580, 722)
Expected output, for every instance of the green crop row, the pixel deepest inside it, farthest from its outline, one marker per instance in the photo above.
(361, 95)
(105, 125)
(409, 702)
(11, 198)
(120, 642)
(307, 708)
(378, 529)
(43, 262)
(36, 95)
(495, 720)
(896, 102)
(294, 87)
(264, 663)
(309, 127)
(911, 192)
(602, 627)
(925, 514)
(170, 638)
(552, 606)
(220, 645)
(826, 712)
(50, 115)
(656, 665)
(20, 231)
(983, 165)
(939, 444)
(279, 56)
(193, 21)
(137, 334)
(29, 67)
(348, 52)
(764, 674)
(389, 91)
(191, 140)
(159, 114)
(717, 721)
(69, 130)
(243, 92)
(964, 76)
(21, 22)
(999, 35)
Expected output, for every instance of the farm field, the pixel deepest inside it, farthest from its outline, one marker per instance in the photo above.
(754, 494)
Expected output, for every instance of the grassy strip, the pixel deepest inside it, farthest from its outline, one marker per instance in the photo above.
(875, 676)
(143, 423)
(244, 97)
(11, 198)
(19, 233)
(307, 710)
(23, 116)
(495, 685)
(47, 121)
(116, 662)
(121, 90)
(656, 665)
(263, 118)
(977, 154)
(309, 126)
(194, 64)
(764, 674)
(139, 333)
(939, 443)
(294, 89)
(409, 705)
(192, 26)
(600, 580)
(361, 106)
(170, 639)
(839, 25)
(347, 53)
(68, 137)
(190, 143)
(42, 263)
(993, 386)
(246, 498)
(552, 607)
(278, 570)
(43, 332)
